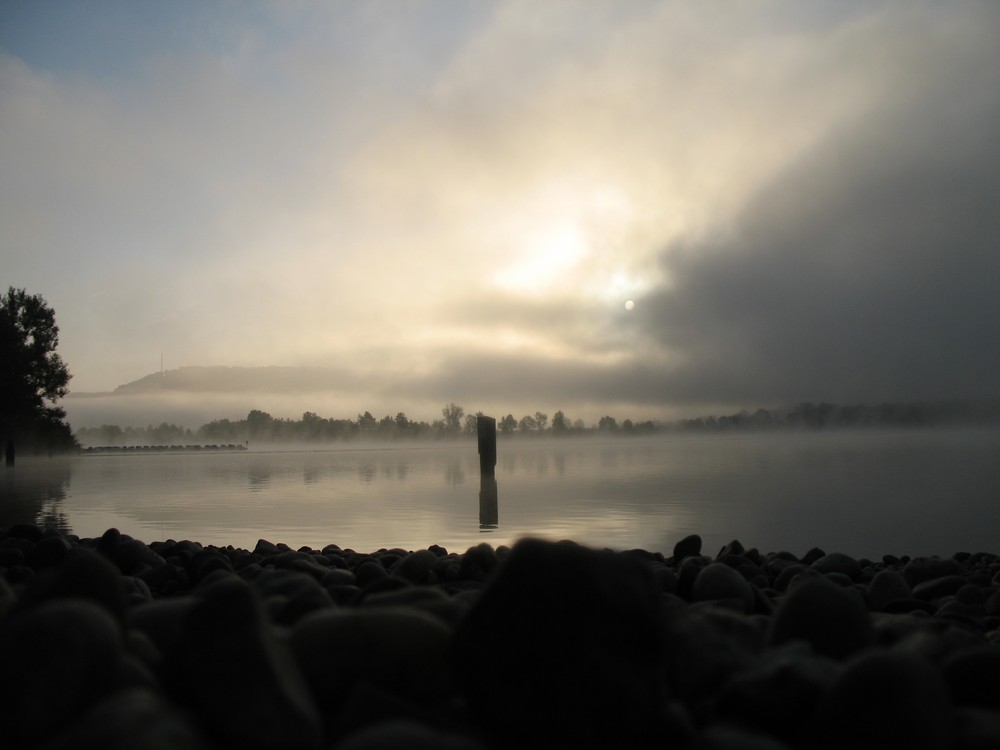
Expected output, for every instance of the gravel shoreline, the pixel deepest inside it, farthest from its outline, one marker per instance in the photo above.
(115, 643)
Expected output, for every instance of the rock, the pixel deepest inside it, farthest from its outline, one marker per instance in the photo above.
(164, 622)
(705, 646)
(973, 677)
(416, 567)
(401, 652)
(368, 572)
(565, 647)
(689, 546)
(733, 548)
(135, 591)
(133, 719)
(883, 700)
(7, 598)
(57, 660)
(687, 573)
(831, 619)
(26, 531)
(665, 577)
(970, 594)
(133, 557)
(887, 585)
(812, 556)
(993, 603)
(478, 562)
(246, 686)
(392, 735)
(936, 588)
(735, 738)
(921, 569)
(837, 562)
(779, 693)
(82, 574)
(719, 582)
(976, 729)
(48, 552)
(300, 593)
(264, 547)
(787, 574)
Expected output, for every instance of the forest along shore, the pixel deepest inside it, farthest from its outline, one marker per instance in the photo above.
(105, 449)
(552, 643)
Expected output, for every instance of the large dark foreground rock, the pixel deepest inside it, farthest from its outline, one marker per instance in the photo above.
(113, 643)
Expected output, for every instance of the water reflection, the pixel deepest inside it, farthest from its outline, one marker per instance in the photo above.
(454, 472)
(32, 491)
(489, 515)
(859, 493)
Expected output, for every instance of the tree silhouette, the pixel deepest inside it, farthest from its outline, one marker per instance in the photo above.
(32, 376)
(453, 414)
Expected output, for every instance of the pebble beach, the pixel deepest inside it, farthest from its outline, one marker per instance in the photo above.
(113, 642)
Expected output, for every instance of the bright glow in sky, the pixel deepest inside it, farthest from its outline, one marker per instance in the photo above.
(453, 200)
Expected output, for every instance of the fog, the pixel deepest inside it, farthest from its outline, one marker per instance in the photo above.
(453, 202)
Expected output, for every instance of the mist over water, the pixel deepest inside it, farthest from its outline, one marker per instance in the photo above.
(863, 493)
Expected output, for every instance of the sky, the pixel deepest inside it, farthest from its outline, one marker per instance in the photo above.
(454, 200)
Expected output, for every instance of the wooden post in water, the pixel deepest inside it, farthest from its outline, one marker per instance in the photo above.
(486, 429)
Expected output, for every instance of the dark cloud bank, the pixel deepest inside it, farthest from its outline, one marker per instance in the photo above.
(868, 271)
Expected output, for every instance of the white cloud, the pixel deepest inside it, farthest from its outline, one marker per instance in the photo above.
(338, 183)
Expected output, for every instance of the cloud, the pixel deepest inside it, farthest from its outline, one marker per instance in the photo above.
(464, 188)
(867, 270)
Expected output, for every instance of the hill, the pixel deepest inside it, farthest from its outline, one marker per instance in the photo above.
(237, 380)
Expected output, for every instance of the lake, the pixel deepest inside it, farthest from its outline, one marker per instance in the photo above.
(863, 493)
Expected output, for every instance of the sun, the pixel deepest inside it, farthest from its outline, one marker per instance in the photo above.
(629, 304)
(548, 256)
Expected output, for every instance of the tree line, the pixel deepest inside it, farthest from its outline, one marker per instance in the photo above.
(259, 426)
(33, 377)
(820, 416)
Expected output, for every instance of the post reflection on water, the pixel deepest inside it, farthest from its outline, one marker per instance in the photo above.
(489, 516)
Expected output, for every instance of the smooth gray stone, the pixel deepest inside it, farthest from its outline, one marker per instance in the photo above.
(82, 574)
(833, 620)
(973, 677)
(57, 660)
(921, 569)
(735, 738)
(838, 562)
(246, 685)
(565, 647)
(887, 585)
(733, 548)
(417, 566)
(400, 650)
(976, 729)
(720, 583)
(938, 587)
(7, 598)
(885, 699)
(133, 719)
(393, 735)
(778, 694)
(689, 546)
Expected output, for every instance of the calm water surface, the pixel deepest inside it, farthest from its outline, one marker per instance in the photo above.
(863, 493)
